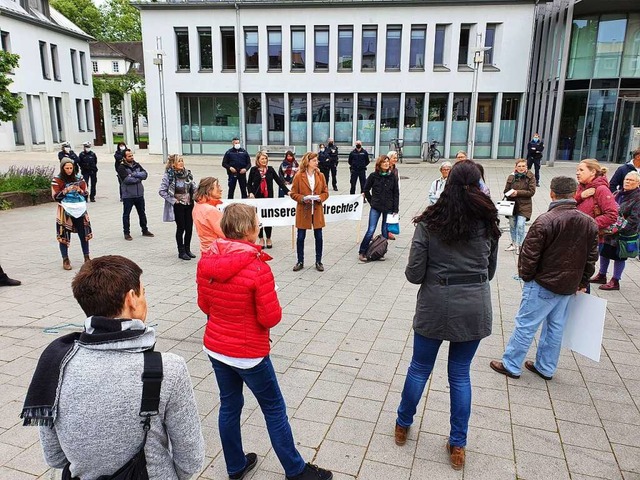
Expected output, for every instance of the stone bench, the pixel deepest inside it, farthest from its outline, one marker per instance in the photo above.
(279, 149)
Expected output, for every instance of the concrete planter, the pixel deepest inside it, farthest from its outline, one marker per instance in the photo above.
(25, 199)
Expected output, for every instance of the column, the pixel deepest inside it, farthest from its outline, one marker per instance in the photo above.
(265, 119)
(495, 129)
(67, 119)
(447, 132)
(377, 148)
(25, 123)
(46, 121)
(401, 116)
(287, 119)
(127, 118)
(108, 126)
(332, 114)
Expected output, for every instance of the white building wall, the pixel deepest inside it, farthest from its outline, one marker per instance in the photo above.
(28, 78)
(512, 53)
(105, 66)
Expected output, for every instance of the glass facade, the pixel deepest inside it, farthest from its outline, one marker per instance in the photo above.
(253, 119)
(206, 52)
(344, 119)
(574, 109)
(417, 47)
(609, 46)
(182, 47)
(438, 50)
(460, 121)
(508, 125)
(437, 120)
(484, 125)
(321, 50)
(366, 131)
(274, 39)
(228, 41)
(345, 49)
(599, 124)
(251, 51)
(369, 47)
(631, 51)
(389, 118)
(413, 119)
(275, 116)
(297, 49)
(321, 115)
(298, 121)
(209, 122)
(394, 39)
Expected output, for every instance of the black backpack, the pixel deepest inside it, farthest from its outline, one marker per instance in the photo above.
(377, 248)
(136, 468)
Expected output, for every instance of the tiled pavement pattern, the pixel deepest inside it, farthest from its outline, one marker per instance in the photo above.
(341, 350)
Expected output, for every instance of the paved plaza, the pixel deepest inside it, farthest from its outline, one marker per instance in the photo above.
(341, 351)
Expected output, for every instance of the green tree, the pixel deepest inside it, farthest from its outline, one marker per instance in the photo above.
(10, 104)
(83, 13)
(117, 86)
(121, 21)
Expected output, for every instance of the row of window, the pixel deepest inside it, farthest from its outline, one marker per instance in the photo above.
(84, 115)
(215, 119)
(321, 47)
(50, 63)
(115, 66)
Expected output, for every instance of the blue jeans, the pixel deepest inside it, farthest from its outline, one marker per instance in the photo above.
(425, 351)
(128, 204)
(538, 306)
(374, 216)
(516, 225)
(302, 234)
(262, 381)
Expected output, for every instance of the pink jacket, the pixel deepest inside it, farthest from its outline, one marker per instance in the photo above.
(603, 199)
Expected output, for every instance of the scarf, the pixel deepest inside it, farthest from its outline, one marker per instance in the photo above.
(41, 403)
(519, 176)
(289, 169)
(183, 174)
(264, 191)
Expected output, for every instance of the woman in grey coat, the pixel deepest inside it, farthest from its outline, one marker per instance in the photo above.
(453, 258)
(177, 189)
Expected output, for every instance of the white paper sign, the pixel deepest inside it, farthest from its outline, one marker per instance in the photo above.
(279, 212)
(585, 325)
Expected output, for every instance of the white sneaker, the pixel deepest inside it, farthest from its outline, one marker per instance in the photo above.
(518, 248)
(510, 248)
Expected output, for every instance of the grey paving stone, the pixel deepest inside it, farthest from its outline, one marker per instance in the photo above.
(340, 457)
(592, 462)
(586, 436)
(533, 466)
(372, 470)
(351, 431)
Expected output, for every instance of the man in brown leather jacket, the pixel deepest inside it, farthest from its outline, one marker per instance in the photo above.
(557, 258)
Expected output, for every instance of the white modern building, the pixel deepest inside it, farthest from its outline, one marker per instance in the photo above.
(53, 77)
(294, 72)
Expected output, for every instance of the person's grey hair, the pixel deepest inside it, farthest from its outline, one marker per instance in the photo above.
(392, 153)
(634, 175)
(564, 187)
(635, 153)
(238, 220)
(461, 152)
(445, 165)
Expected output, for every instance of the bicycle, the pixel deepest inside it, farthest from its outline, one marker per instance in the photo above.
(430, 153)
(396, 145)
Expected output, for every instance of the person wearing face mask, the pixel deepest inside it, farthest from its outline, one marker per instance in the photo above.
(67, 152)
(332, 150)
(520, 187)
(288, 169)
(237, 162)
(534, 155)
(119, 155)
(324, 162)
(88, 162)
(358, 161)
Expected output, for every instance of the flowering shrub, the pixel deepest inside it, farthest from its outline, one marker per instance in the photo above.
(26, 178)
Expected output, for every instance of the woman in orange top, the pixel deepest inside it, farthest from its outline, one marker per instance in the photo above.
(309, 190)
(206, 215)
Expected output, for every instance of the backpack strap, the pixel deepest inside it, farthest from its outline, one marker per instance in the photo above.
(151, 383)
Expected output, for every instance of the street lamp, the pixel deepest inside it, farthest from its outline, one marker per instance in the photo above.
(478, 58)
(163, 109)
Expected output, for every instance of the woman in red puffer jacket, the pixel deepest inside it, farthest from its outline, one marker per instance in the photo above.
(593, 195)
(237, 292)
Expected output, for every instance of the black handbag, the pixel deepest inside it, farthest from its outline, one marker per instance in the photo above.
(136, 468)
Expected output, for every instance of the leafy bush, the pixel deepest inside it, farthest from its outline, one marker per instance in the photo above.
(26, 179)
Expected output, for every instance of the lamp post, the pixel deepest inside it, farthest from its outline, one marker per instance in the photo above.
(163, 111)
(478, 58)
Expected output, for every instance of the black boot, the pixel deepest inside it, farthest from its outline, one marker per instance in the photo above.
(5, 281)
(183, 255)
(187, 250)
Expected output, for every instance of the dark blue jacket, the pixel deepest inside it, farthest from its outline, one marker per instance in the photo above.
(324, 160)
(237, 159)
(333, 153)
(131, 177)
(88, 162)
(535, 149)
(358, 160)
(618, 178)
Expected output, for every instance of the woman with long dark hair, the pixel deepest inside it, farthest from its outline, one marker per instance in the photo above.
(260, 185)
(178, 188)
(453, 257)
(70, 191)
(288, 169)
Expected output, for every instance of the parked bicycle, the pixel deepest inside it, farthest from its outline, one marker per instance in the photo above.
(430, 152)
(396, 145)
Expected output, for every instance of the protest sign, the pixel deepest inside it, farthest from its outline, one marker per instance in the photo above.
(585, 325)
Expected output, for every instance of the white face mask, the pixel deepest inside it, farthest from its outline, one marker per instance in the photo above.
(122, 147)
(236, 146)
(67, 149)
(322, 149)
(87, 149)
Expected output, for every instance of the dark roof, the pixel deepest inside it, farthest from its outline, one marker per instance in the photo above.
(143, 4)
(131, 51)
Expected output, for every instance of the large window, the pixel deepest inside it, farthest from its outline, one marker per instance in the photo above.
(209, 123)
(344, 119)
(366, 118)
(5, 41)
(417, 48)
(275, 114)
(413, 116)
(484, 125)
(80, 117)
(394, 41)
(297, 49)
(369, 47)
(439, 46)
(609, 46)
(345, 48)
(83, 68)
(631, 53)
(508, 125)
(321, 113)
(55, 63)
(321, 50)
(88, 114)
(389, 117)
(228, 39)
(206, 49)
(460, 121)
(437, 117)
(44, 60)
(274, 39)
(182, 49)
(463, 46)
(253, 118)
(94, 66)
(572, 121)
(490, 43)
(251, 51)
(583, 48)
(74, 66)
(599, 124)
(298, 120)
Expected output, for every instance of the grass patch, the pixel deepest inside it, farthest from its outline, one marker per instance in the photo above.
(120, 138)
(26, 179)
